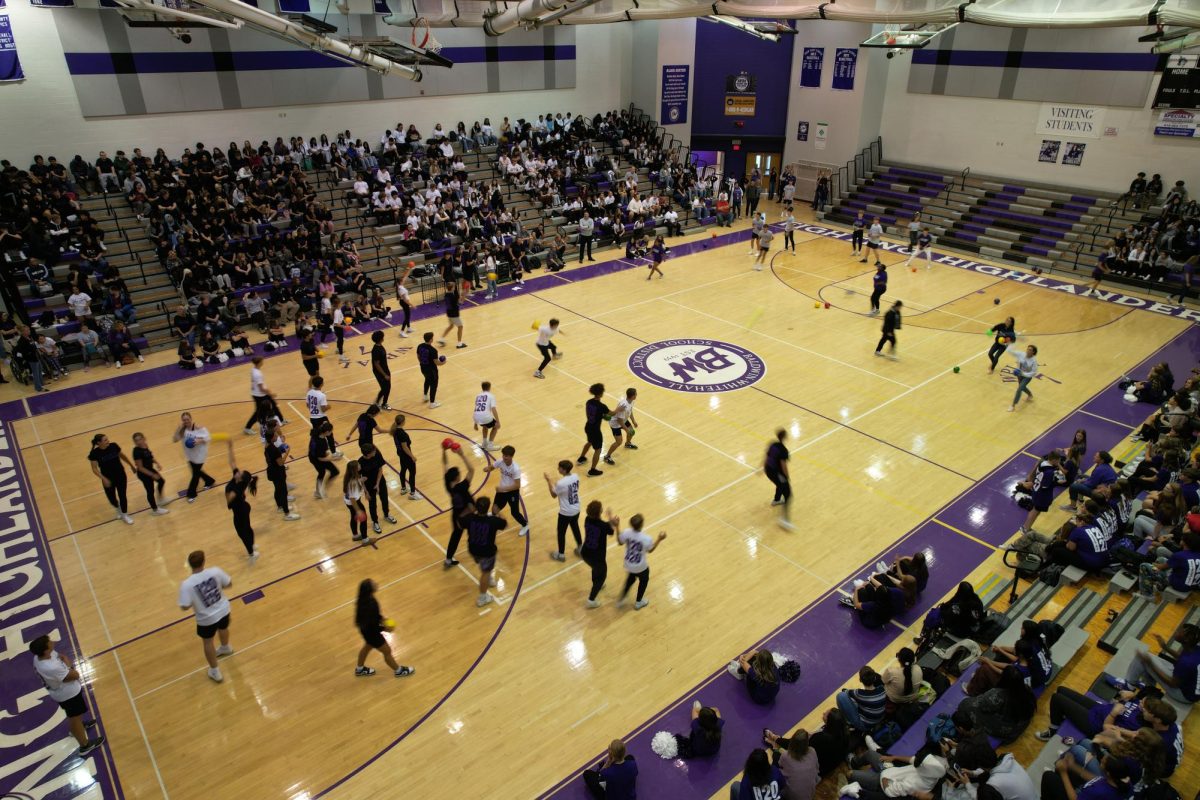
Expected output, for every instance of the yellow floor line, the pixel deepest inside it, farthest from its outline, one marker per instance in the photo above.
(964, 533)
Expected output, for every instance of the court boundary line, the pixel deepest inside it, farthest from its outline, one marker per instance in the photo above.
(558, 787)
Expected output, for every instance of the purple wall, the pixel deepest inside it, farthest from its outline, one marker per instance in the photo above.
(721, 51)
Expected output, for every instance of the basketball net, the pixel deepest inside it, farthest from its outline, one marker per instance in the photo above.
(423, 37)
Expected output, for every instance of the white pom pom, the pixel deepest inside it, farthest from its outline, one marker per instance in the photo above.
(664, 745)
(779, 659)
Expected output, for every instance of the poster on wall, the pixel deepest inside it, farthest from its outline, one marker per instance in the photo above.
(674, 93)
(1056, 119)
(1073, 156)
(811, 64)
(740, 95)
(10, 65)
(1049, 152)
(802, 131)
(845, 63)
(822, 135)
(1177, 122)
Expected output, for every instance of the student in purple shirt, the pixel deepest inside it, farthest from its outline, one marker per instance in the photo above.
(1181, 680)
(757, 668)
(1160, 716)
(704, 737)
(1102, 474)
(760, 779)
(1092, 717)
(775, 465)
(596, 531)
(595, 412)
(1112, 784)
(1085, 545)
(1181, 570)
(615, 778)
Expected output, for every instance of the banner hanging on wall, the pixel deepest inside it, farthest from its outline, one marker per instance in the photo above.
(1057, 119)
(811, 65)
(674, 94)
(1178, 122)
(10, 65)
(52, 3)
(845, 63)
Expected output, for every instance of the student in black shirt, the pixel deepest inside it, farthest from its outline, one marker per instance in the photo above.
(459, 489)
(149, 472)
(235, 499)
(275, 453)
(1006, 330)
(308, 353)
(371, 624)
(453, 315)
(408, 462)
(595, 412)
(320, 455)
(596, 531)
(482, 528)
(428, 358)
(366, 426)
(891, 324)
(379, 367)
(106, 458)
(371, 465)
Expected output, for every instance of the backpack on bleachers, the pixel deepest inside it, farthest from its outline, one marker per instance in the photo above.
(1157, 791)
(1050, 630)
(941, 727)
(1051, 574)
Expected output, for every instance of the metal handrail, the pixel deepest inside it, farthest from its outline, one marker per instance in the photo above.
(963, 175)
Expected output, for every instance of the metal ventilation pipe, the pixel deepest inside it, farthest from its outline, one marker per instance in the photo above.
(523, 12)
(294, 32)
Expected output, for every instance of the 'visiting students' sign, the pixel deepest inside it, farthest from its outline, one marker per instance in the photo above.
(1060, 119)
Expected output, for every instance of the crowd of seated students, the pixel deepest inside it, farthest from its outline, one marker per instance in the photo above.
(1166, 245)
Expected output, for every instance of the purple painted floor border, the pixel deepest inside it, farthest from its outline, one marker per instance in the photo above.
(846, 645)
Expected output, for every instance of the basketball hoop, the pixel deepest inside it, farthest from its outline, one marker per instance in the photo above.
(423, 38)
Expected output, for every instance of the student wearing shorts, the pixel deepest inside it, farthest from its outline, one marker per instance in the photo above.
(370, 623)
(62, 682)
(622, 423)
(595, 412)
(202, 592)
(856, 235)
(482, 528)
(874, 240)
(486, 415)
(453, 315)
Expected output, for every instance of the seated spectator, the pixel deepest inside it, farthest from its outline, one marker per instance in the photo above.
(757, 668)
(187, 355)
(831, 742)
(121, 344)
(863, 708)
(1156, 388)
(1158, 715)
(89, 345)
(1181, 679)
(1006, 710)
(38, 275)
(51, 356)
(1102, 474)
(1081, 543)
(704, 738)
(614, 778)
(798, 763)
(1143, 754)
(875, 602)
(961, 616)
(902, 678)
(1180, 570)
(760, 779)
(1002, 773)
(910, 776)
(1029, 654)
(1069, 781)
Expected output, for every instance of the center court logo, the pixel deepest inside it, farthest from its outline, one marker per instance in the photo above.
(697, 365)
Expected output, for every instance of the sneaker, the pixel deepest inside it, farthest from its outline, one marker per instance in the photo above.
(290, 486)
(141, 359)
(1046, 735)
(375, 527)
(631, 447)
(594, 472)
(391, 520)
(524, 531)
(92, 745)
(460, 345)
(291, 516)
(581, 460)
(734, 669)
(777, 502)
(403, 334)
(449, 563)
(404, 671)
(343, 360)
(537, 373)
(414, 495)
(492, 579)
(248, 431)
(338, 454)
(484, 599)
(317, 495)
(386, 407)
(215, 674)
(158, 512)
(640, 604)
(363, 672)
(441, 342)
(609, 461)
(254, 556)
(575, 551)
(291, 498)
(787, 525)
(435, 405)
(224, 650)
(871, 745)
(192, 499)
(593, 603)
(846, 601)
(128, 520)
(881, 566)
(557, 556)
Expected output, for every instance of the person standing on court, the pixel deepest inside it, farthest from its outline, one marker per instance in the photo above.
(275, 451)
(891, 324)
(453, 315)
(587, 227)
(879, 287)
(637, 546)
(856, 235)
(428, 359)
(318, 409)
(1026, 369)
(764, 246)
(921, 246)
(753, 194)
(508, 493)
(595, 412)
(149, 472)
(106, 458)
(202, 592)
(408, 462)
(240, 482)
(874, 241)
(1005, 332)
(403, 298)
(914, 230)
(265, 406)
(486, 415)
(195, 440)
(775, 465)
(596, 531)
(381, 371)
(459, 489)
(482, 528)
(757, 224)
(371, 465)
(545, 345)
(371, 624)
(308, 353)
(566, 491)
(789, 231)
(64, 685)
(622, 422)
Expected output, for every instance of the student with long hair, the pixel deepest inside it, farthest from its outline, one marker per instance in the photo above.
(1005, 710)
(241, 482)
(757, 668)
(902, 678)
(321, 457)
(760, 779)
(149, 472)
(106, 458)
(371, 465)
(459, 489)
(1067, 781)
(596, 531)
(371, 624)
(637, 546)
(408, 462)
(195, 440)
(1040, 484)
(352, 494)
(63, 683)
(704, 735)
(1144, 754)
(831, 742)
(798, 763)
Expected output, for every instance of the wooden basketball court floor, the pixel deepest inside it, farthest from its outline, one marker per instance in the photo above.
(510, 699)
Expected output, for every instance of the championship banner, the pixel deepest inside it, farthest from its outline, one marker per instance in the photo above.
(10, 65)
(845, 64)
(811, 64)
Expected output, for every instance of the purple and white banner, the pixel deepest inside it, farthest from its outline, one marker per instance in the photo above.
(675, 79)
(811, 64)
(845, 64)
(38, 757)
(10, 65)
(52, 3)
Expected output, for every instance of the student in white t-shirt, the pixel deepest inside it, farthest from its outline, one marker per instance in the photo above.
(566, 490)
(545, 345)
(195, 440)
(262, 397)
(622, 424)
(62, 683)
(486, 415)
(80, 303)
(508, 493)
(318, 408)
(405, 306)
(202, 593)
(637, 546)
